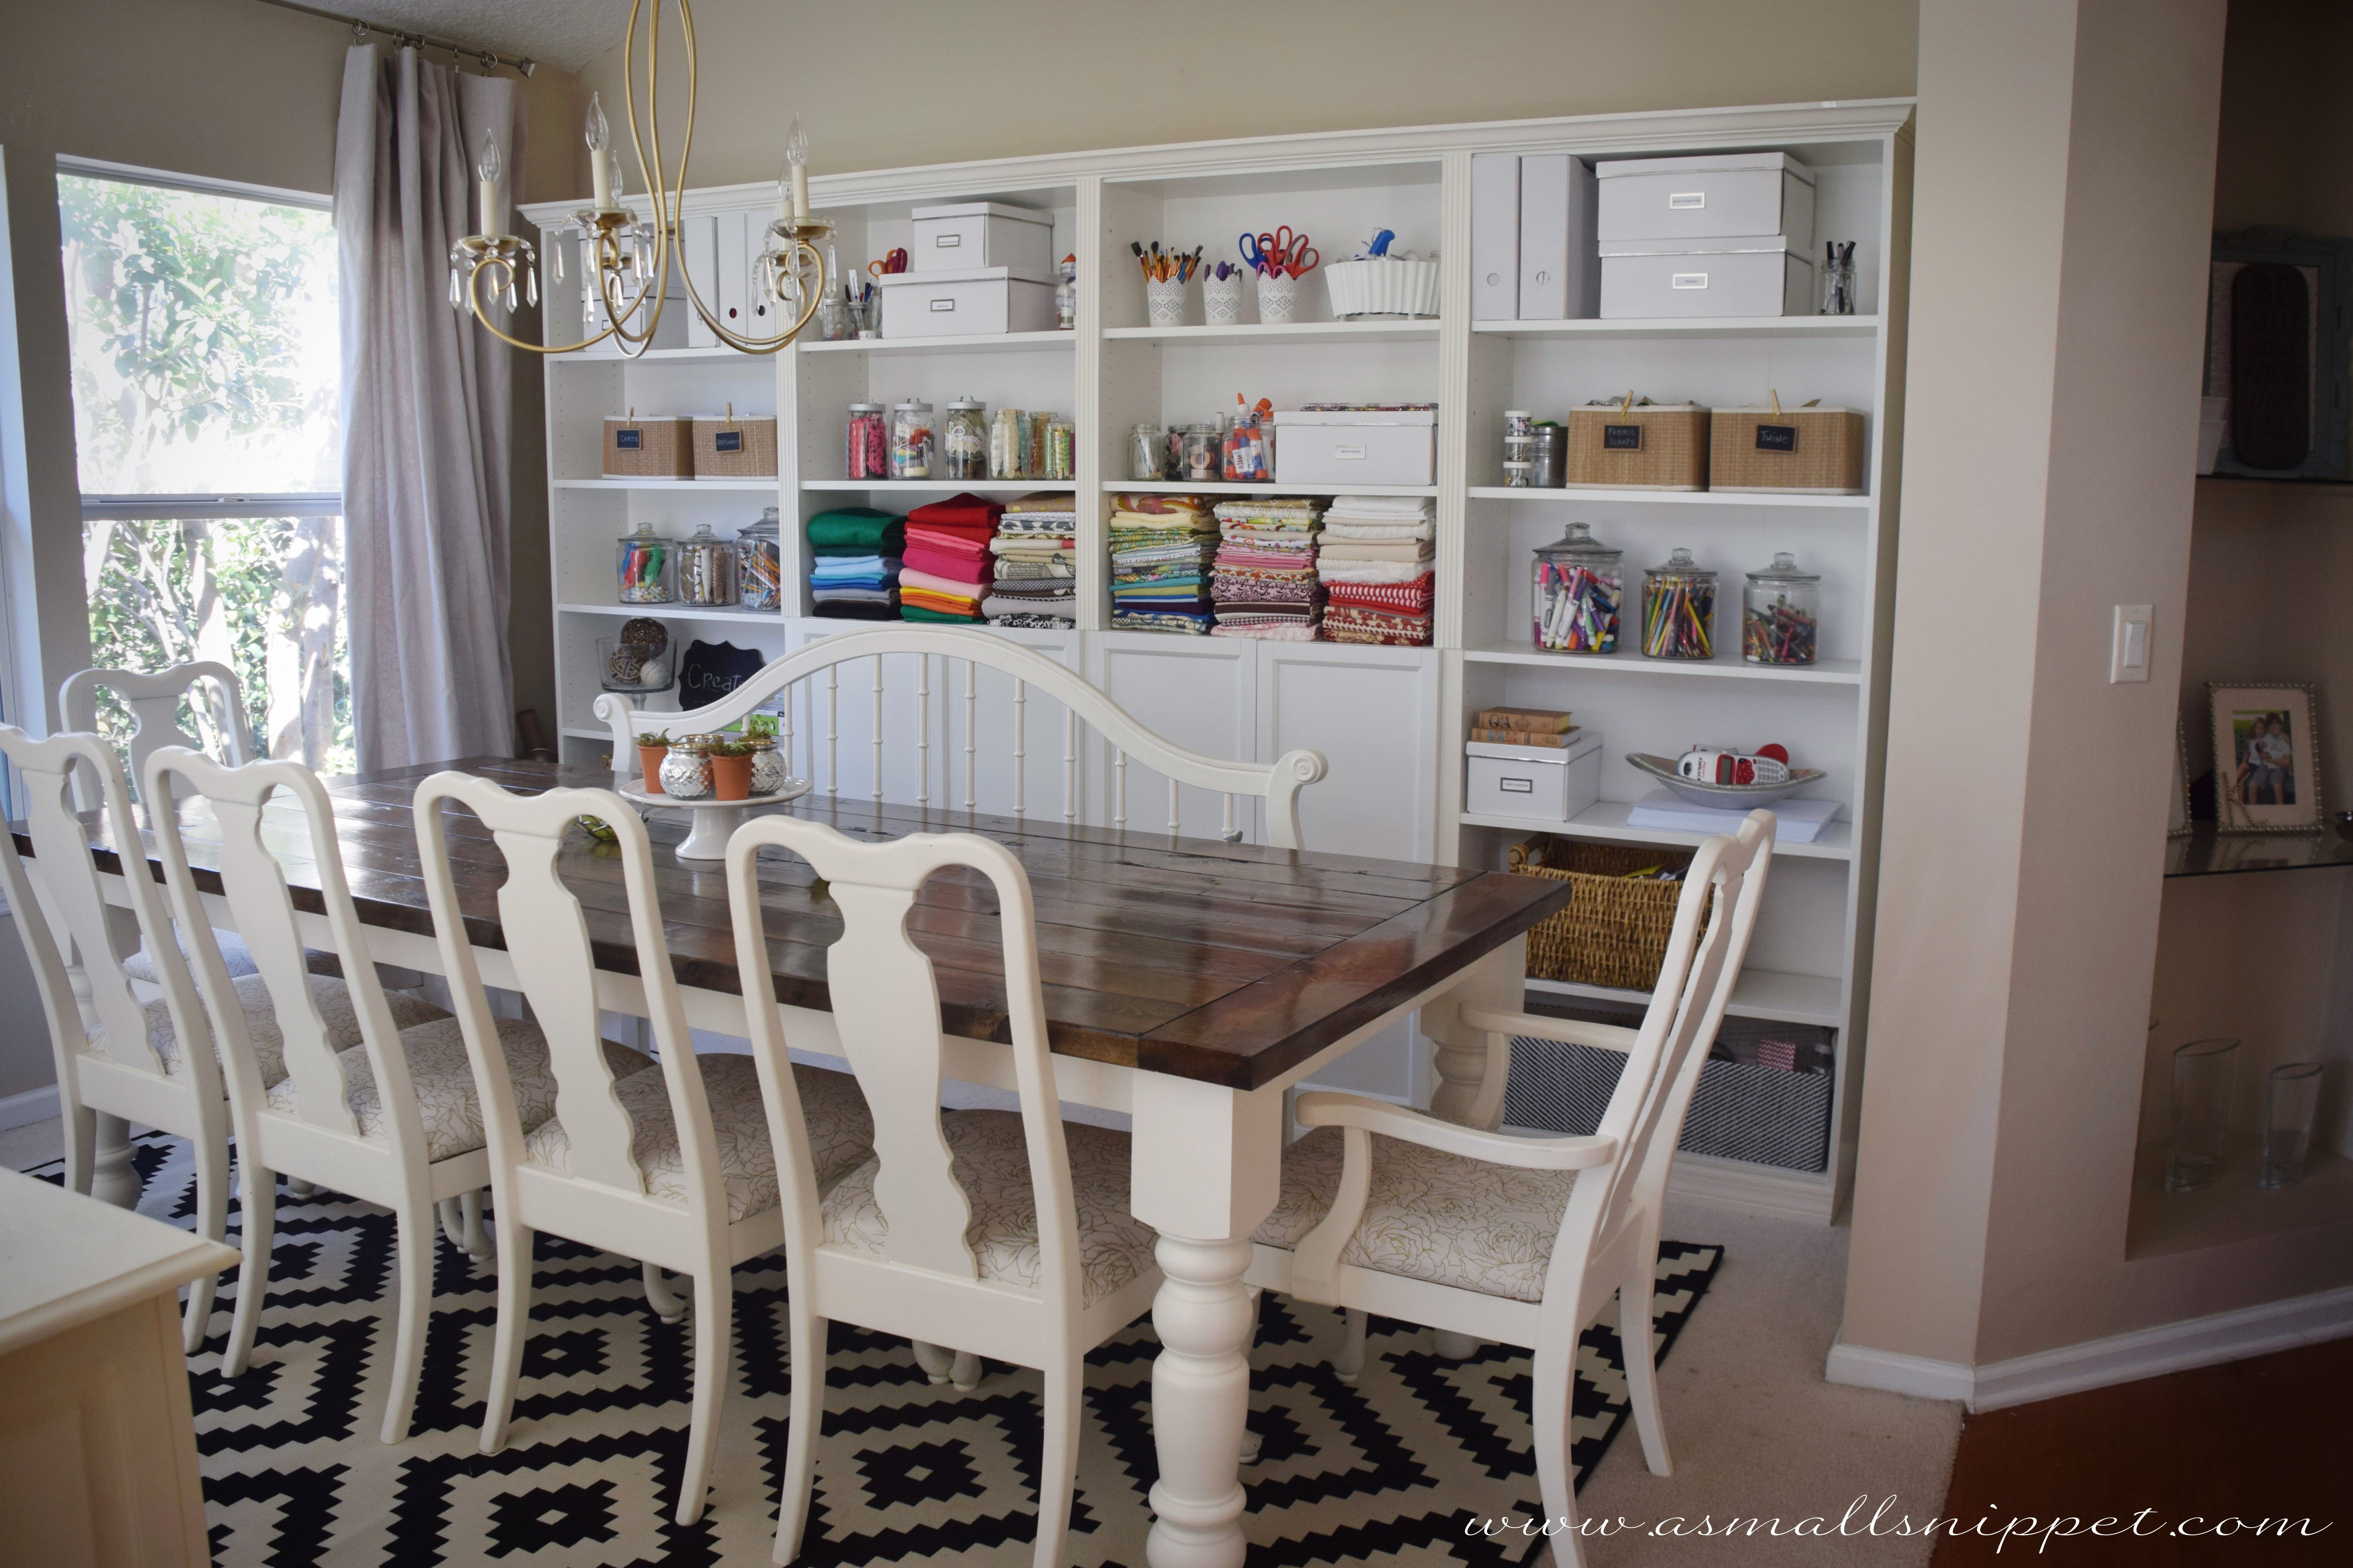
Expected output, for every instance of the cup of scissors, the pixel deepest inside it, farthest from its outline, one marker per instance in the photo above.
(1280, 260)
(890, 266)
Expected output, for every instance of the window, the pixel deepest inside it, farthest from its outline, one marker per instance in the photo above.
(206, 394)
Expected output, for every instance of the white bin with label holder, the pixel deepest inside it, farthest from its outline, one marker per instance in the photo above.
(967, 302)
(1356, 447)
(1642, 279)
(982, 234)
(1542, 784)
(1717, 195)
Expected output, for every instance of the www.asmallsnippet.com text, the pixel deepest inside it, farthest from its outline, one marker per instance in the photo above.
(1862, 1517)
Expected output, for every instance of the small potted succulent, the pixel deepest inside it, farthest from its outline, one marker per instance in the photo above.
(731, 769)
(653, 745)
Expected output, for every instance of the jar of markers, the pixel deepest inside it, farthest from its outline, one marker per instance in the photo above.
(866, 454)
(1780, 613)
(1579, 588)
(1679, 608)
(646, 566)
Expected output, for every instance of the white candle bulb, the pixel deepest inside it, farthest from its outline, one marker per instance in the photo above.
(600, 137)
(488, 169)
(796, 164)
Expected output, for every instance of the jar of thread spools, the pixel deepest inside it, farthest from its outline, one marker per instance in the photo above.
(1780, 613)
(647, 567)
(1579, 589)
(964, 439)
(1679, 608)
(867, 452)
(1519, 447)
(706, 569)
(911, 440)
(1007, 433)
(1204, 454)
(760, 562)
(1061, 450)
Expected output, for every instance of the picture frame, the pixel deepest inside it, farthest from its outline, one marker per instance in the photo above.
(2266, 756)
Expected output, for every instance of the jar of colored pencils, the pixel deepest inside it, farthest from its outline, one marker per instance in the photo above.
(647, 567)
(1679, 608)
(1576, 593)
(1780, 613)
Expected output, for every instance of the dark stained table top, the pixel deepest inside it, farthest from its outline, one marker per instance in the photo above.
(1226, 962)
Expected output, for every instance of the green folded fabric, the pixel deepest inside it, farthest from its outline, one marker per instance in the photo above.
(858, 528)
(912, 613)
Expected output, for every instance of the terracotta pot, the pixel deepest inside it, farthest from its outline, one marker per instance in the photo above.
(731, 777)
(650, 762)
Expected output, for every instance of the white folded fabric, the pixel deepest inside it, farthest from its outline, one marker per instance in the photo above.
(1380, 506)
(1330, 570)
(1380, 533)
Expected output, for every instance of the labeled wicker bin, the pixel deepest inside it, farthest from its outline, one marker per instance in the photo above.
(1808, 450)
(733, 448)
(1633, 446)
(1614, 932)
(658, 447)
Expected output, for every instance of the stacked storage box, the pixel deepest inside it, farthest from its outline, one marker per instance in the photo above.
(1726, 233)
(975, 268)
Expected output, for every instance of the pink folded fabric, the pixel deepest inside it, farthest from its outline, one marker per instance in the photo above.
(944, 563)
(955, 541)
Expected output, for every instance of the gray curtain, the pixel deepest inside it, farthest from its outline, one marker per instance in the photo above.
(427, 448)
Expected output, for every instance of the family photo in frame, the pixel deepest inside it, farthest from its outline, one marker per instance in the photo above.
(2266, 758)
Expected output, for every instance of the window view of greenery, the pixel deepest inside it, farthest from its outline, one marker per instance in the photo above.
(206, 363)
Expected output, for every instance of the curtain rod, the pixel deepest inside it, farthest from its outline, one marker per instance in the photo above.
(401, 34)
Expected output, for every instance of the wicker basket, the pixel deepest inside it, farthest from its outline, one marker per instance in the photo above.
(1655, 446)
(655, 448)
(1614, 932)
(1813, 451)
(733, 448)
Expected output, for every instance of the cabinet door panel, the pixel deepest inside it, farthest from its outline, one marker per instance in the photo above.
(1198, 692)
(1373, 712)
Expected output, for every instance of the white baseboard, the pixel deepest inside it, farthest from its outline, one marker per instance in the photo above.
(1761, 1189)
(2096, 1364)
(24, 1110)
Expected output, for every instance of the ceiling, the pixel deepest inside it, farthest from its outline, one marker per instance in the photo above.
(566, 33)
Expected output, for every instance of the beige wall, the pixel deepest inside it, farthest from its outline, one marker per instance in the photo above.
(2064, 197)
(228, 90)
(900, 82)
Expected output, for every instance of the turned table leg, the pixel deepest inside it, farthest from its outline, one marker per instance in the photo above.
(113, 1178)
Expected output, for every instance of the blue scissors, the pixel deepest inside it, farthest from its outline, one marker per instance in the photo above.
(1261, 259)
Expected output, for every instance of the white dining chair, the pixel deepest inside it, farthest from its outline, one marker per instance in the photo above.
(154, 698)
(670, 1164)
(1003, 1234)
(390, 1119)
(1523, 1239)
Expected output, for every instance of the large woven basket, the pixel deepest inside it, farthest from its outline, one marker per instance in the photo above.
(651, 448)
(1656, 446)
(731, 448)
(1614, 932)
(1813, 451)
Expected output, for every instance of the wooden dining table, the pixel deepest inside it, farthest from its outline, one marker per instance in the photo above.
(1189, 984)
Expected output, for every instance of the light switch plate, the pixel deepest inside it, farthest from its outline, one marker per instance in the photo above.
(2128, 645)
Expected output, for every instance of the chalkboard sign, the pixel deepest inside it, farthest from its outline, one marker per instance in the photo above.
(1776, 437)
(711, 670)
(1621, 437)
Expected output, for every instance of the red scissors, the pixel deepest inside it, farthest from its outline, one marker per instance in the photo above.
(1288, 252)
(892, 264)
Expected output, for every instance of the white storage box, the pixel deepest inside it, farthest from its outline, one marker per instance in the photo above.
(982, 234)
(1768, 277)
(1715, 196)
(965, 302)
(1352, 446)
(1540, 783)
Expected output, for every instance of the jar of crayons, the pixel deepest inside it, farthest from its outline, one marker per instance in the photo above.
(760, 550)
(1579, 586)
(1679, 608)
(647, 567)
(1780, 613)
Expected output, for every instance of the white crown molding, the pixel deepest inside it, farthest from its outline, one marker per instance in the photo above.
(2097, 1363)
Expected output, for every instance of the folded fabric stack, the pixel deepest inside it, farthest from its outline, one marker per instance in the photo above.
(947, 568)
(857, 552)
(1264, 583)
(1160, 551)
(1375, 565)
(1034, 564)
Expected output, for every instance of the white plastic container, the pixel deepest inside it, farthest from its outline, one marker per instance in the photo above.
(967, 304)
(1350, 447)
(1385, 287)
(1542, 782)
(1714, 195)
(1642, 279)
(982, 234)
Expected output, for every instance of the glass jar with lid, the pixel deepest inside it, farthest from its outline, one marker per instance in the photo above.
(867, 452)
(1007, 434)
(1679, 608)
(760, 562)
(686, 771)
(706, 569)
(646, 566)
(910, 439)
(964, 439)
(1579, 589)
(1780, 613)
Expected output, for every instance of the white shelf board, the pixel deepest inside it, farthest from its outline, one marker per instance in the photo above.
(1827, 672)
(938, 487)
(1607, 819)
(675, 612)
(1176, 487)
(1688, 328)
(656, 356)
(962, 343)
(1773, 994)
(1564, 494)
(1388, 331)
(764, 482)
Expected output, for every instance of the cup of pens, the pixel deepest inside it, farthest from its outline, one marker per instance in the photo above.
(1221, 294)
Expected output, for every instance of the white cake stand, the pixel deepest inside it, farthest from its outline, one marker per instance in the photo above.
(715, 821)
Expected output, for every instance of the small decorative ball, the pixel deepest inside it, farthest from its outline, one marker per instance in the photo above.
(654, 672)
(625, 664)
(648, 635)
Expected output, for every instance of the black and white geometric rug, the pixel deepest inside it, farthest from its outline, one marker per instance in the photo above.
(1389, 1469)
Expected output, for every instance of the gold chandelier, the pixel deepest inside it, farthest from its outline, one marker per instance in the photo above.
(626, 259)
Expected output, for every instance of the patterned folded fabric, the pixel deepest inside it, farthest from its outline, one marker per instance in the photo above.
(1155, 503)
(1033, 544)
(1035, 623)
(1195, 624)
(1269, 631)
(1064, 611)
(1016, 571)
(1401, 598)
(1343, 623)
(1041, 502)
